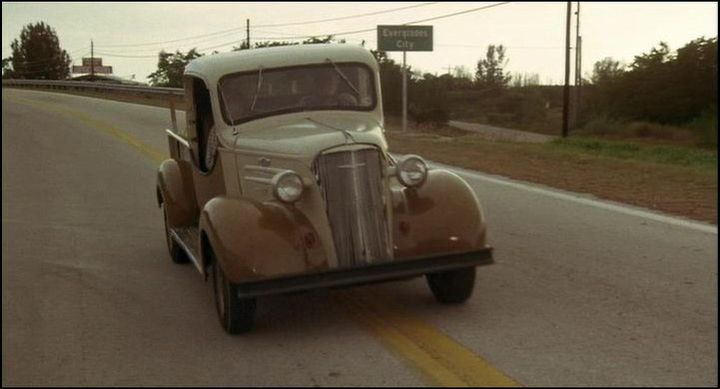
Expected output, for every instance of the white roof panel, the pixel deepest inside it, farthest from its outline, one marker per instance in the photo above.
(214, 66)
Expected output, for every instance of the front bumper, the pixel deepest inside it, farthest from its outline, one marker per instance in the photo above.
(386, 271)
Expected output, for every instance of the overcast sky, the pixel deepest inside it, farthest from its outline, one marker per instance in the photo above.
(534, 33)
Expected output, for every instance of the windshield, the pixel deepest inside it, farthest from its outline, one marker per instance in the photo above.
(265, 92)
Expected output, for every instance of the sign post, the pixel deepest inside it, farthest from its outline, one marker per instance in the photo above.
(405, 38)
(404, 99)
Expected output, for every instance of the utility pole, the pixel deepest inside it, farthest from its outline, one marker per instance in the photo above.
(404, 93)
(578, 64)
(566, 90)
(92, 61)
(247, 32)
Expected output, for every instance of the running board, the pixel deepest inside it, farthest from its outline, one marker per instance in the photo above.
(188, 238)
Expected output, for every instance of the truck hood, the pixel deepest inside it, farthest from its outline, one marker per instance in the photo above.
(304, 135)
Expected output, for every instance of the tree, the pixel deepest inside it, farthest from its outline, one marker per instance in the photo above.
(653, 59)
(171, 67)
(520, 80)
(37, 55)
(659, 86)
(695, 69)
(6, 68)
(390, 82)
(462, 78)
(461, 72)
(489, 72)
(309, 41)
(429, 98)
(328, 39)
(263, 44)
(606, 70)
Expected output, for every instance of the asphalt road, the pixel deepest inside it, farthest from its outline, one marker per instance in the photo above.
(582, 293)
(500, 133)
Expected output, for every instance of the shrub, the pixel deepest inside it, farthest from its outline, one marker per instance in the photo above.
(436, 117)
(706, 127)
(615, 128)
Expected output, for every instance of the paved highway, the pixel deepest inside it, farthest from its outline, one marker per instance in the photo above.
(502, 134)
(583, 292)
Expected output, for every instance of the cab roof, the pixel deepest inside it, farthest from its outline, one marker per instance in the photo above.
(212, 67)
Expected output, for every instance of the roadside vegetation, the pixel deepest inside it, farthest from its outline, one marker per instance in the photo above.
(673, 179)
(644, 134)
(661, 154)
(36, 54)
(661, 96)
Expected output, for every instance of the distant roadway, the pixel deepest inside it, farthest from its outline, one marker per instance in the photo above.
(500, 133)
(584, 292)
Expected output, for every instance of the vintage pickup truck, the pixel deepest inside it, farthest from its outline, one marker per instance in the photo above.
(281, 181)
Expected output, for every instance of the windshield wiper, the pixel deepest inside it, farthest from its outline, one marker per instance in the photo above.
(257, 90)
(342, 75)
(345, 132)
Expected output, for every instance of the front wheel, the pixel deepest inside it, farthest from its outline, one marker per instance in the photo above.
(453, 286)
(236, 315)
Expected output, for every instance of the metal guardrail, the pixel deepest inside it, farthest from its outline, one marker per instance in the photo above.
(96, 87)
(173, 97)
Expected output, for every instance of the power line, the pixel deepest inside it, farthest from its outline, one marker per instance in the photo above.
(224, 32)
(126, 56)
(406, 23)
(347, 17)
(267, 25)
(440, 44)
(184, 44)
(141, 51)
(275, 33)
(146, 52)
(460, 13)
(295, 37)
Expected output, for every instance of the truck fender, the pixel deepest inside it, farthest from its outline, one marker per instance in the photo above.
(442, 216)
(254, 241)
(175, 190)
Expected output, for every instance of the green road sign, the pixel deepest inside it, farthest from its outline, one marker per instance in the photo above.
(405, 38)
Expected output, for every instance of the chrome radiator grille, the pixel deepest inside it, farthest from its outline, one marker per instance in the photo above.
(351, 183)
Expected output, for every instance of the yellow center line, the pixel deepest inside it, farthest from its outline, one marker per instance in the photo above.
(440, 359)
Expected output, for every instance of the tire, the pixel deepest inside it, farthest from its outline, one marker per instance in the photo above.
(453, 286)
(177, 254)
(236, 315)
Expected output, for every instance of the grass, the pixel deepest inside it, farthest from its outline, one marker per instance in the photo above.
(639, 130)
(600, 138)
(626, 150)
(665, 176)
(707, 127)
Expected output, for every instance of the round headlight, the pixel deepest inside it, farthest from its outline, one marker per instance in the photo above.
(287, 187)
(412, 171)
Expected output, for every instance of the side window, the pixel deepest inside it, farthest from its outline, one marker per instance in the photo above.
(204, 126)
